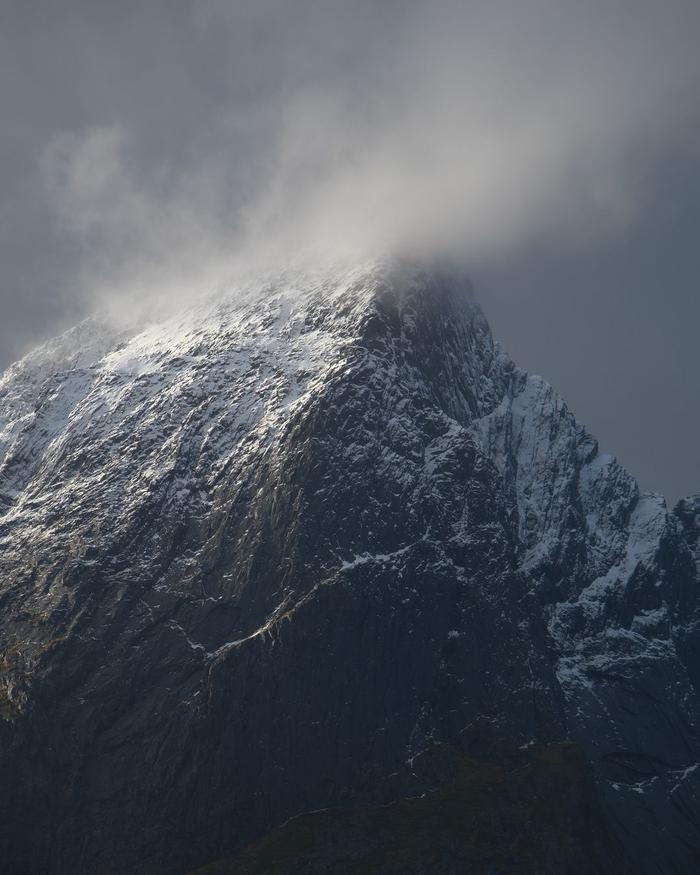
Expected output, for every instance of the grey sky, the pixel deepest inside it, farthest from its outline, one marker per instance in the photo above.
(555, 146)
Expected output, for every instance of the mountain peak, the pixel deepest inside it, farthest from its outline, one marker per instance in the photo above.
(293, 540)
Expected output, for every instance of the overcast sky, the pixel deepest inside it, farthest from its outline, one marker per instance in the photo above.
(554, 146)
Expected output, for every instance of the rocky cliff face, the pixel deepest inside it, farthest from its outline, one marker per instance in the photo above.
(280, 552)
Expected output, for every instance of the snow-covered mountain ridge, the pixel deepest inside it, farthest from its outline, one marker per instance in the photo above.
(322, 524)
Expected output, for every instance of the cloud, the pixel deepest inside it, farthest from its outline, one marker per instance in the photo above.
(470, 128)
(156, 238)
(500, 123)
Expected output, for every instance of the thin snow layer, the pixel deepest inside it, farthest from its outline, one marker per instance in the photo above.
(99, 424)
(599, 645)
(552, 468)
(590, 541)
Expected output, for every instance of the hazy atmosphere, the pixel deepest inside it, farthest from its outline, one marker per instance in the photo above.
(553, 147)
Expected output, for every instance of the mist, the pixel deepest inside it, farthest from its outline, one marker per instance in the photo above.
(154, 152)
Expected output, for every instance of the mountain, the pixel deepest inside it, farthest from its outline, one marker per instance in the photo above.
(311, 576)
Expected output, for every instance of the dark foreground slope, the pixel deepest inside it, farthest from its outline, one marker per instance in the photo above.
(536, 818)
(286, 550)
